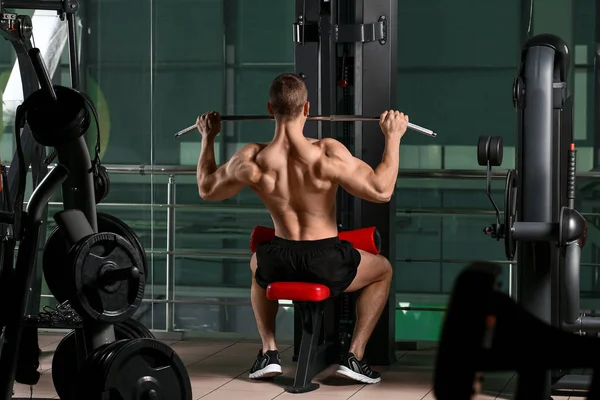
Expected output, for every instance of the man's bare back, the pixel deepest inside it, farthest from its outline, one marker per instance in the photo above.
(292, 186)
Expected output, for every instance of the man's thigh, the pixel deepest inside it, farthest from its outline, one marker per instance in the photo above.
(372, 268)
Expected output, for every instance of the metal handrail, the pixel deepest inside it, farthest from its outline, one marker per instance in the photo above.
(176, 170)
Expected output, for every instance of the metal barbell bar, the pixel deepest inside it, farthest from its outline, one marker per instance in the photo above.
(330, 118)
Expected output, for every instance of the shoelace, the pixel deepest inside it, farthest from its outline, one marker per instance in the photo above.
(365, 366)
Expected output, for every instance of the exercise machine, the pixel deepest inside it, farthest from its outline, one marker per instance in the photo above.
(487, 331)
(94, 263)
(540, 224)
(346, 53)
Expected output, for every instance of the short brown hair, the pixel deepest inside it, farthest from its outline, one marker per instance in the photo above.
(287, 96)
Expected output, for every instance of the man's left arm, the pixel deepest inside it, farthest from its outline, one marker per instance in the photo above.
(229, 179)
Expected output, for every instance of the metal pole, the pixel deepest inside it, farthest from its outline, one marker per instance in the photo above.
(596, 109)
(375, 70)
(170, 284)
(73, 57)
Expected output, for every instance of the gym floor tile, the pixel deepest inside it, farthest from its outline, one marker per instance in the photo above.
(192, 347)
(247, 351)
(219, 370)
(49, 339)
(312, 395)
(202, 370)
(243, 383)
(238, 394)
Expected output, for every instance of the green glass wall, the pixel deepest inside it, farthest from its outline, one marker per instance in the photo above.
(152, 66)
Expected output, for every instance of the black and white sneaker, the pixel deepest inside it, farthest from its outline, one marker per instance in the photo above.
(267, 365)
(358, 370)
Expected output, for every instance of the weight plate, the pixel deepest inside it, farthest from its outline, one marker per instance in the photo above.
(125, 332)
(510, 214)
(139, 328)
(101, 183)
(56, 254)
(142, 369)
(64, 367)
(98, 296)
(106, 360)
(64, 361)
(54, 261)
(109, 223)
(91, 374)
(54, 123)
(482, 150)
(495, 151)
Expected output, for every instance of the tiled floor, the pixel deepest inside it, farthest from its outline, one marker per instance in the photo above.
(218, 370)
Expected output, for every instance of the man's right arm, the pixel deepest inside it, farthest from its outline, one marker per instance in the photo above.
(357, 177)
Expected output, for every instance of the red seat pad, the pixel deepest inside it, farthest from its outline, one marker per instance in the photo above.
(297, 291)
(366, 239)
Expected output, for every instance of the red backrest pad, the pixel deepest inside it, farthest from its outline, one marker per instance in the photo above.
(366, 239)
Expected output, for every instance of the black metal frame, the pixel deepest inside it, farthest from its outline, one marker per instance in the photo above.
(73, 172)
(375, 74)
(488, 331)
(361, 35)
(548, 275)
(20, 278)
(34, 153)
(319, 345)
(597, 90)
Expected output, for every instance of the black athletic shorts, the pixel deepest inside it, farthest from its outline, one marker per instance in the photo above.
(331, 262)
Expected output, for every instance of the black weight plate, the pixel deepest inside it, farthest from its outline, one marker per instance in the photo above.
(107, 359)
(54, 123)
(91, 374)
(93, 299)
(109, 223)
(54, 261)
(510, 212)
(137, 359)
(90, 377)
(482, 150)
(64, 361)
(495, 151)
(55, 255)
(101, 183)
(141, 330)
(64, 368)
(125, 332)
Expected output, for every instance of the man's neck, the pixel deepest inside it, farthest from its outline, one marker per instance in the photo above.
(289, 130)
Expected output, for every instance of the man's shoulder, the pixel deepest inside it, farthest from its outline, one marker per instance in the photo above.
(325, 143)
(250, 148)
(330, 146)
(249, 151)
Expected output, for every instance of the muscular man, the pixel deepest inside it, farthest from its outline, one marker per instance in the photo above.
(297, 180)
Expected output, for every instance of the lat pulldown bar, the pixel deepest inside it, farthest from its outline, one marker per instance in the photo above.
(330, 118)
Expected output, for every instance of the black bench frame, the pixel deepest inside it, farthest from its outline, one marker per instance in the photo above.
(318, 347)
